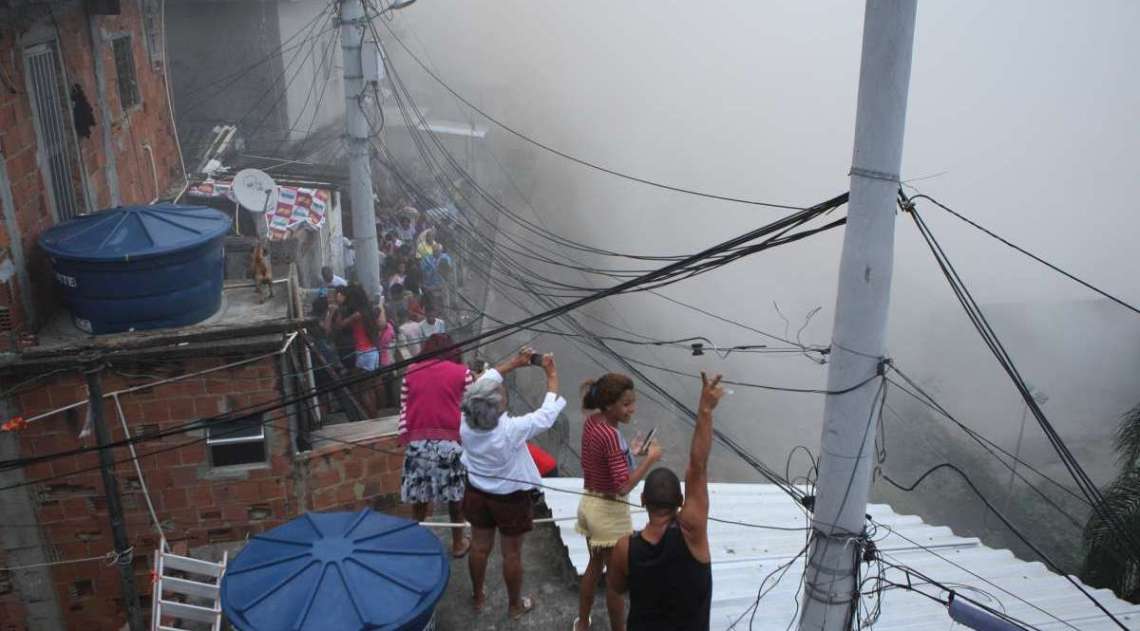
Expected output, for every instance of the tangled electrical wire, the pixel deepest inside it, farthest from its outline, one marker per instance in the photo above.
(1127, 537)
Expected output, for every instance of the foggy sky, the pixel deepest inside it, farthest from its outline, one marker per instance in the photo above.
(1024, 112)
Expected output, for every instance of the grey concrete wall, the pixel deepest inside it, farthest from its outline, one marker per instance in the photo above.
(315, 97)
(226, 67)
(22, 542)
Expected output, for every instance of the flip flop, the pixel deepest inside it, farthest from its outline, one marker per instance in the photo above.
(589, 621)
(466, 549)
(478, 606)
(527, 607)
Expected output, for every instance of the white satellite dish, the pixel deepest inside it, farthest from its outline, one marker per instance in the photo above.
(255, 190)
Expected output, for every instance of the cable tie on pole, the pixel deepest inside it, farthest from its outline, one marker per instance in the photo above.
(870, 552)
(874, 175)
(906, 204)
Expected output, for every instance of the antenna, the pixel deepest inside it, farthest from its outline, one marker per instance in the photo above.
(255, 190)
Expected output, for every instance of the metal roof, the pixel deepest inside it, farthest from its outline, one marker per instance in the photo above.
(743, 556)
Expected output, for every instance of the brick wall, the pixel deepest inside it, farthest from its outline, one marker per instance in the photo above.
(341, 477)
(196, 503)
(148, 123)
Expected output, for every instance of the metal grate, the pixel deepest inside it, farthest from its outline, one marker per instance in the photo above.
(152, 22)
(125, 71)
(52, 115)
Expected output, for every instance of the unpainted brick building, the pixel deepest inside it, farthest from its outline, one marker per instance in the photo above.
(208, 486)
(85, 124)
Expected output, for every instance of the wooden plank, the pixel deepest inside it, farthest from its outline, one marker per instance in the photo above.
(236, 346)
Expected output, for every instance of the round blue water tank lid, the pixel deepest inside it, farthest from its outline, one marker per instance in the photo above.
(341, 570)
(134, 232)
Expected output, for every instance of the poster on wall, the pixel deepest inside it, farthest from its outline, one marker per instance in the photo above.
(297, 207)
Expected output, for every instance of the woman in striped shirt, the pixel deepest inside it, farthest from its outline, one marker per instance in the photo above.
(609, 475)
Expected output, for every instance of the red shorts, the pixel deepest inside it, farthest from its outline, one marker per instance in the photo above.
(512, 514)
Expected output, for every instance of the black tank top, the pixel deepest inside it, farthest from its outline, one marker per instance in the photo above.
(669, 590)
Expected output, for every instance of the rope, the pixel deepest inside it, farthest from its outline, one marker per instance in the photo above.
(111, 558)
(142, 480)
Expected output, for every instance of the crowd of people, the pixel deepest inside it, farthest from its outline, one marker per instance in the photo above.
(463, 449)
(360, 333)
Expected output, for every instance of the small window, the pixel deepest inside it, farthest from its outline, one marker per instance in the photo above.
(237, 442)
(152, 25)
(125, 71)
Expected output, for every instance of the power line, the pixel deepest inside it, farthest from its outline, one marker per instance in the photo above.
(402, 95)
(1022, 250)
(575, 159)
(981, 324)
(482, 339)
(233, 77)
(761, 386)
(732, 445)
(1009, 525)
(990, 446)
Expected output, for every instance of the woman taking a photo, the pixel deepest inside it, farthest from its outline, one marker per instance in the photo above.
(609, 475)
(501, 474)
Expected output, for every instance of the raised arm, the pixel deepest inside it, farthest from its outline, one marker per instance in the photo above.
(694, 515)
(330, 318)
(342, 322)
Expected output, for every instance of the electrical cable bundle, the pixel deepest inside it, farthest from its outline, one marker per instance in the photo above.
(1085, 485)
(479, 340)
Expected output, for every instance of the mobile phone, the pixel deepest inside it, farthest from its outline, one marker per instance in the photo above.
(536, 359)
(648, 440)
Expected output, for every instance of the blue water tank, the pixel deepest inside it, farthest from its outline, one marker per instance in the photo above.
(346, 571)
(140, 267)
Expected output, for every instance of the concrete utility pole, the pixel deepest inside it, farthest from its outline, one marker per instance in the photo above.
(353, 26)
(859, 337)
(114, 502)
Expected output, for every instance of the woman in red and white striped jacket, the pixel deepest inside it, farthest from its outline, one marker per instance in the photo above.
(429, 428)
(609, 475)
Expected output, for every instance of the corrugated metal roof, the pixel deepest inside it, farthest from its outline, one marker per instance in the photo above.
(743, 556)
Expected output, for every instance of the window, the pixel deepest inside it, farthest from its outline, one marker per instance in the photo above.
(125, 71)
(51, 111)
(152, 26)
(237, 442)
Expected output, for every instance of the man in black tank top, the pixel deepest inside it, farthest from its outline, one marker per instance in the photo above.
(666, 567)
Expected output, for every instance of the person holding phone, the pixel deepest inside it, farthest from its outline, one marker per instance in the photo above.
(501, 474)
(609, 474)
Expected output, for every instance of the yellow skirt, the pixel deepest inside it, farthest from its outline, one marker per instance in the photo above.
(602, 521)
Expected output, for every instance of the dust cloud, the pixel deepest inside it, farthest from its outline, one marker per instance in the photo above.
(1022, 115)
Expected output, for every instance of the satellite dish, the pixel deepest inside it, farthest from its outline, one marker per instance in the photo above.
(255, 190)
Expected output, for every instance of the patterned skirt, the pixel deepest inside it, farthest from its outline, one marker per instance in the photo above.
(432, 472)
